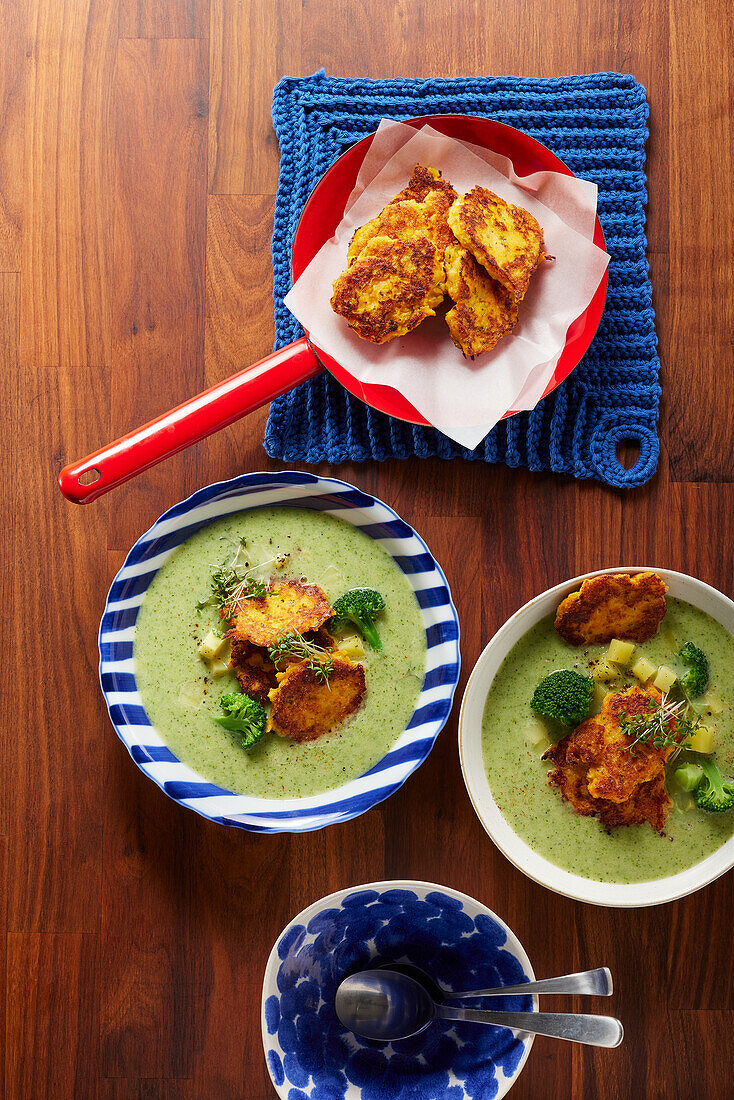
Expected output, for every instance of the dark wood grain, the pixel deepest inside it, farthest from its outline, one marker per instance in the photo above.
(52, 820)
(133, 935)
(3, 958)
(253, 44)
(51, 1016)
(239, 282)
(70, 54)
(12, 109)
(701, 301)
(159, 236)
(155, 951)
(163, 19)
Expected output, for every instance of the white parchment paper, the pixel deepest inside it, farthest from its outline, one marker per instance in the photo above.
(462, 398)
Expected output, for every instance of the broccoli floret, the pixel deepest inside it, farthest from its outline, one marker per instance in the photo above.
(688, 776)
(359, 606)
(564, 697)
(696, 680)
(243, 714)
(715, 792)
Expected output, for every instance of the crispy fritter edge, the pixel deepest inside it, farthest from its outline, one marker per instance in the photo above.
(574, 611)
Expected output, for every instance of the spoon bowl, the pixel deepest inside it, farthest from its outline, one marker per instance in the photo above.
(384, 1005)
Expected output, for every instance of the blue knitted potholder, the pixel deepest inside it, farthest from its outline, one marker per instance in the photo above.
(597, 124)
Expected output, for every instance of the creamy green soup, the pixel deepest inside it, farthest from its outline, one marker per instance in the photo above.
(518, 776)
(180, 697)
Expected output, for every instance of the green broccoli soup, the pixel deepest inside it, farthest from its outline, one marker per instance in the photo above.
(699, 703)
(182, 690)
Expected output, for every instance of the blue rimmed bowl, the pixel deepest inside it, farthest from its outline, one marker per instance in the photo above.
(293, 489)
(456, 941)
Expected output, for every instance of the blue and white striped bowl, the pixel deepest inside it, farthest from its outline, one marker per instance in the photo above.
(290, 488)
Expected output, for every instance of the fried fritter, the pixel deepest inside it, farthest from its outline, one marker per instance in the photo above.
(321, 637)
(405, 220)
(390, 288)
(483, 312)
(303, 707)
(614, 605)
(648, 803)
(421, 210)
(428, 187)
(596, 772)
(287, 606)
(422, 183)
(600, 742)
(254, 670)
(504, 239)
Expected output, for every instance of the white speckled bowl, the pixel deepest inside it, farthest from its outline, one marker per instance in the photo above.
(621, 895)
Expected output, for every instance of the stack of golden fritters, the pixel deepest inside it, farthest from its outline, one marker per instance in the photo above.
(428, 242)
(395, 276)
(303, 705)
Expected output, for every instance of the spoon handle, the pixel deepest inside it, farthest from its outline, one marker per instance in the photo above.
(594, 983)
(597, 1031)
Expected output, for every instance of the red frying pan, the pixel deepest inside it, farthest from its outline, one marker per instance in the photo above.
(254, 386)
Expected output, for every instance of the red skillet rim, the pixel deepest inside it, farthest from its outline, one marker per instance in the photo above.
(340, 178)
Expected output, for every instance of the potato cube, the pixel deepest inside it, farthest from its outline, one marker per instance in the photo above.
(702, 740)
(218, 668)
(212, 647)
(597, 699)
(643, 669)
(535, 732)
(603, 672)
(352, 648)
(665, 678)
(712, 703)
(620, 652)
(191, 694)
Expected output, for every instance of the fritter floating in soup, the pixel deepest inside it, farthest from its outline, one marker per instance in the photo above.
(614, 605)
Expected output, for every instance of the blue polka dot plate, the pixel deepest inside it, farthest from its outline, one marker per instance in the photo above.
(294, 489)
(456, 941)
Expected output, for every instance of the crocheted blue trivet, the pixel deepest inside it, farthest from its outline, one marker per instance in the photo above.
(597, 124)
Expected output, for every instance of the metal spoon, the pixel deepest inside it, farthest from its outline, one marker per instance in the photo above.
(386, 1005)
(594, 983)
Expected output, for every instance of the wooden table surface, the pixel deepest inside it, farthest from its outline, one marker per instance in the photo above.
(137, 176)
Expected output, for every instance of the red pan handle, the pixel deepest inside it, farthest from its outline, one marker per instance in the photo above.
(188, 423)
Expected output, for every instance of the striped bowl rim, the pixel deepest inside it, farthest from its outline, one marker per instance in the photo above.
(289, 488)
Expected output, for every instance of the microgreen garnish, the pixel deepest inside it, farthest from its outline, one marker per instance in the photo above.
(293, 644)
(231, 584)
(665, 725)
